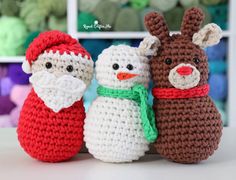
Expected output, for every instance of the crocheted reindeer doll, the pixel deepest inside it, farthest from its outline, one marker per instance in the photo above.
(52, 118)
(120, 124)
(188, 122)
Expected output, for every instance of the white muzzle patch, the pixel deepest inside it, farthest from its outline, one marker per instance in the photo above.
(184, 79)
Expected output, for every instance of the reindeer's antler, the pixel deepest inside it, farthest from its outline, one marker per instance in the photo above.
(192, 21)
(156, 25)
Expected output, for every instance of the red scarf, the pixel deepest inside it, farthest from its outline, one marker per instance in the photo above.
(173, 93)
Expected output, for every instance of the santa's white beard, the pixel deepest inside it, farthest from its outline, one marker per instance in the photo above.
(57, 92)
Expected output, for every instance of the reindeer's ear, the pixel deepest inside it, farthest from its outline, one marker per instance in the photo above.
(156, 25)
(191, 22)
(209, 35)
(149, 46)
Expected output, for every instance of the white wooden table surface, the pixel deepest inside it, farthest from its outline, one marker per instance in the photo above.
(15, 164)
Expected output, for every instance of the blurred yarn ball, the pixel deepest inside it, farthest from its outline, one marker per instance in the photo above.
(55, 23)
(87, 5)
(127, 20)
(57, 8)
(163, 5)
(121, 41)
(143, 13)
(208, 17)
(219, 15)
(218, 86)
(30, 38)
(217, 67)
(10, 7)
(6, 85)
(17, 75)
(13, 32)
(90, 94)
(135, 42)
(217, 52)
(5, 121)
(86, 22)
(34, 15)
(121, 2)
(6, 105)
(189, 3)
(106, 12)
(174, 18)
(95, 46)
(139, 4)
(210, 2)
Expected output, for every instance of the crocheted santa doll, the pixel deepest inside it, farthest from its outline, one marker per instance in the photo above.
(52, 117)
(188, 122)
(120, 124)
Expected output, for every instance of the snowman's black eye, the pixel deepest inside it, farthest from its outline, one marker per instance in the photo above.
(130, 67)
(168, 61)
(69, 68)
(115, 66)
(48, 65)
(196, 60)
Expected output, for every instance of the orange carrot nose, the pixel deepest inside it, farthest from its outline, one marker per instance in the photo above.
(184, 70)
(124, 76)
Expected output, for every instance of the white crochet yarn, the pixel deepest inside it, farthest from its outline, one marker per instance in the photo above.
(113, 131)
(184, 82)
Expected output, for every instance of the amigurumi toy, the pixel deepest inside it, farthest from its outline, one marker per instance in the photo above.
(120, 124)
(52, 117)
(188, 122)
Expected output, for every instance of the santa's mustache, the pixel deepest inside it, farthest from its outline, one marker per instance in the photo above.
(57, 92)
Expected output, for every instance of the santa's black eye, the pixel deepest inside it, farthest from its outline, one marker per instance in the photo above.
(69, 68)
(48, 65)
(168, 61)
(115, 66)
(130, 67)
(196, 60)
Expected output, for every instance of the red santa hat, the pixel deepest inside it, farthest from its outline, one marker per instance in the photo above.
(54, 42)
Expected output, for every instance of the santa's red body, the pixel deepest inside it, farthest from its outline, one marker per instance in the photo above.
(49, 136)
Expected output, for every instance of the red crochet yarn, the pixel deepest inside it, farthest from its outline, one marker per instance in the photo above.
(56, 41)
(49, 136)
(173, 93)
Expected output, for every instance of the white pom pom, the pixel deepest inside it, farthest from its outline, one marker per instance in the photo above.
(26, 67)
(149, 45)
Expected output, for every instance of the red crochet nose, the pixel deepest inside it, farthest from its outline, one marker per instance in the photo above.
(184, 70)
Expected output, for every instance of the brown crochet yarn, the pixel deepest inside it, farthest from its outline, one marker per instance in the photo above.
(189, 128)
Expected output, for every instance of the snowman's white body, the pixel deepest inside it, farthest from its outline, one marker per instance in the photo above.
(113, 130)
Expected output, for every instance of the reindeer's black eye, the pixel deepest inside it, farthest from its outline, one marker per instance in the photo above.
(48, 65)
(69, 68)
(196, 60)
(115, 66)
(130, 67)
(168, 61)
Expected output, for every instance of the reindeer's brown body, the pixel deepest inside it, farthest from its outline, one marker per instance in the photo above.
(189, 128)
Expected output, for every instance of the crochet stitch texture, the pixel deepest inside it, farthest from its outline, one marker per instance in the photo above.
(113, 127)
(189, 124)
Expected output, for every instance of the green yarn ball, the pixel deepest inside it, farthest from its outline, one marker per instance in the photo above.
(210, 2)
(174, 18)
(189, 3)
(163, 5)
(55, 23)
(106, 12)
(86, 22)
(13, 32)
(139, 4)
(143, 13)
(10, 7)
(127, 20)
(87, 5)
(30, 38)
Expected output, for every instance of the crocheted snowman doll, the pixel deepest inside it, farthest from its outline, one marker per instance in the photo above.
(120, 124)
(52, 117)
